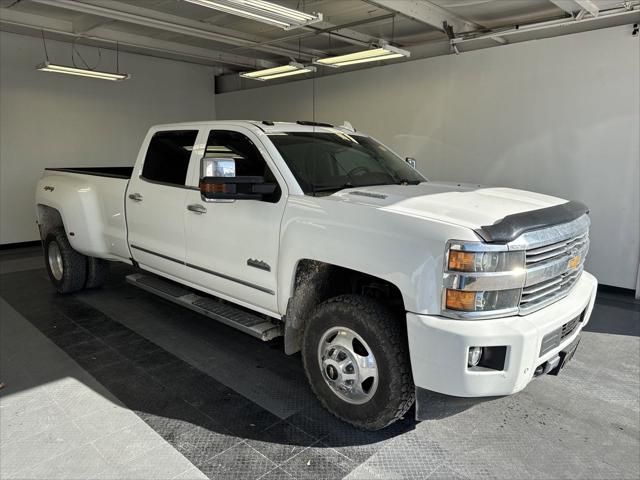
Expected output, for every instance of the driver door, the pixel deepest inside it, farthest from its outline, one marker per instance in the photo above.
(232, 245)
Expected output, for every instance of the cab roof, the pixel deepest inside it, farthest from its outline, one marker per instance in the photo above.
(266, 126)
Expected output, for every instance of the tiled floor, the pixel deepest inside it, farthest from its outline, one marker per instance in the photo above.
(116, 383)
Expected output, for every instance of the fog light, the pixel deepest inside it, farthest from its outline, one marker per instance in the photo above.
(475, 354)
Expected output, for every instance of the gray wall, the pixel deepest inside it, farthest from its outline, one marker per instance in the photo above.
(558, 116)
(52, 120)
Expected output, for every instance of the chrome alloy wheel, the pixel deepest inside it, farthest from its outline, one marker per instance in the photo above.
(348, 365)
(55, 260)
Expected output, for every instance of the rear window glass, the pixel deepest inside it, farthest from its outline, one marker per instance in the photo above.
(168, 155)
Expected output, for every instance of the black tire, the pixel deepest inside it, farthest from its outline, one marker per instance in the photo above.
(385, 333)
(97, 272)
(74, 265)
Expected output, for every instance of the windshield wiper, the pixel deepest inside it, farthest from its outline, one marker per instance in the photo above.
(334, 187)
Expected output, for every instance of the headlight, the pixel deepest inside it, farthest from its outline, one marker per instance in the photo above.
(481, 280)
(461, 261)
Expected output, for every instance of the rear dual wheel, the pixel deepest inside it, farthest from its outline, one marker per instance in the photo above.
(69, 270)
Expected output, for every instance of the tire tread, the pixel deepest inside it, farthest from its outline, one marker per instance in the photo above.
(401, 384)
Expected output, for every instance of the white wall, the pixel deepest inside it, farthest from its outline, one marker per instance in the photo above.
(52, 120)
(558, 116)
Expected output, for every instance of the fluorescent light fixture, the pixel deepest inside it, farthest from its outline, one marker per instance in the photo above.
(50, 67)
(262, 11)
(292, 68)
(385, 52)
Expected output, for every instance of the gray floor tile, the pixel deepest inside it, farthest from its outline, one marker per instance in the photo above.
(28, 452)
(191, 474)
(160, 463)
(77, 398)
(105, 421)
(80, 463)
(38, 416)
(127, 444)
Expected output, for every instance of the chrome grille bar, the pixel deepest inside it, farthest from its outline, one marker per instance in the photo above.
(550, 265)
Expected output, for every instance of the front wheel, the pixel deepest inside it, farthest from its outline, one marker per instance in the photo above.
(356, 359)
(67, 268)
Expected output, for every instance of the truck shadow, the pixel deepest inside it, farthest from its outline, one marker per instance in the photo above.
(200, 413)
(199, 384)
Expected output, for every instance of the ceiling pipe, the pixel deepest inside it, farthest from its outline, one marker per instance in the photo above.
(613, 13)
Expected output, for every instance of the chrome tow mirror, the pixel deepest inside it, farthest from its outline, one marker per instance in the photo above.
(219, 182)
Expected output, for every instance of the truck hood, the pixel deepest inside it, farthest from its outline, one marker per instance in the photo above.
(471, 206)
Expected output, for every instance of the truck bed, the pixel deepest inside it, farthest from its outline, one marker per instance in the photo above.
(113, 172)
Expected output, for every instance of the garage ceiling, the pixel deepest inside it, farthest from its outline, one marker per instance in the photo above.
(181, 30)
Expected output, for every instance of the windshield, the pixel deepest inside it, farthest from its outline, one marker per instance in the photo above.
(328, 162)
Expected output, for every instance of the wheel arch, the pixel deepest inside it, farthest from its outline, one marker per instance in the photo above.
(316, 281)
(49, 219)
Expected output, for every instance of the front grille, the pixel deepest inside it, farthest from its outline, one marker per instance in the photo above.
(552, 270)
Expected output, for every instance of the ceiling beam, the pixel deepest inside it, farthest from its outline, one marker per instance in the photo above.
(86, 23)
(428, 13)
(171, 23)
(21, 22)
(572, 7)
(346, 35)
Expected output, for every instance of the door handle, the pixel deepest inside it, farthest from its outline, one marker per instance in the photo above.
(136, 197)
(197, 208)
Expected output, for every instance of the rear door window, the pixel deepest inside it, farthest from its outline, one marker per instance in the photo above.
(167, 158)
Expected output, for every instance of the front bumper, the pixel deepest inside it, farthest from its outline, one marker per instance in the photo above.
(438, 346)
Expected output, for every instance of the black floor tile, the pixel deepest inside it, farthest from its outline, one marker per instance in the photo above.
(169, 372)
(103, 327)
(90, 348)
(201, 390)
(75, 336)
(75, 309)
(99, 360)
(95, 322)
(280, 442)
(318, 463)
(118, 372)
(200, 446)
(315, 421)
(240, 461)
(121, 337)
(137, 348)
(276, 474)
(52, 323)
(240, 416)
(156, 359)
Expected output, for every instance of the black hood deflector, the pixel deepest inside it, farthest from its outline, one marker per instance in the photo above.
(512, 226)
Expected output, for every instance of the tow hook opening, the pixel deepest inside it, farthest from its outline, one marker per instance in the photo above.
(550, 366)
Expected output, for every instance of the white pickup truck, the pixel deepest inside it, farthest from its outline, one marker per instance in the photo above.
(389, 284)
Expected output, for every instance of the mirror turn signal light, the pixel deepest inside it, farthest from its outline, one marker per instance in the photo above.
(213, 187)
(461, 300)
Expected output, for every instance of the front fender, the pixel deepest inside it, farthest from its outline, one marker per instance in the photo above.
(406, 251)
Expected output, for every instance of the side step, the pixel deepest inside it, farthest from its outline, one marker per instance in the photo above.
(225, 313)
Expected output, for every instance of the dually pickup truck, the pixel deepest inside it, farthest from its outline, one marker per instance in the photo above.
(388, 284)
